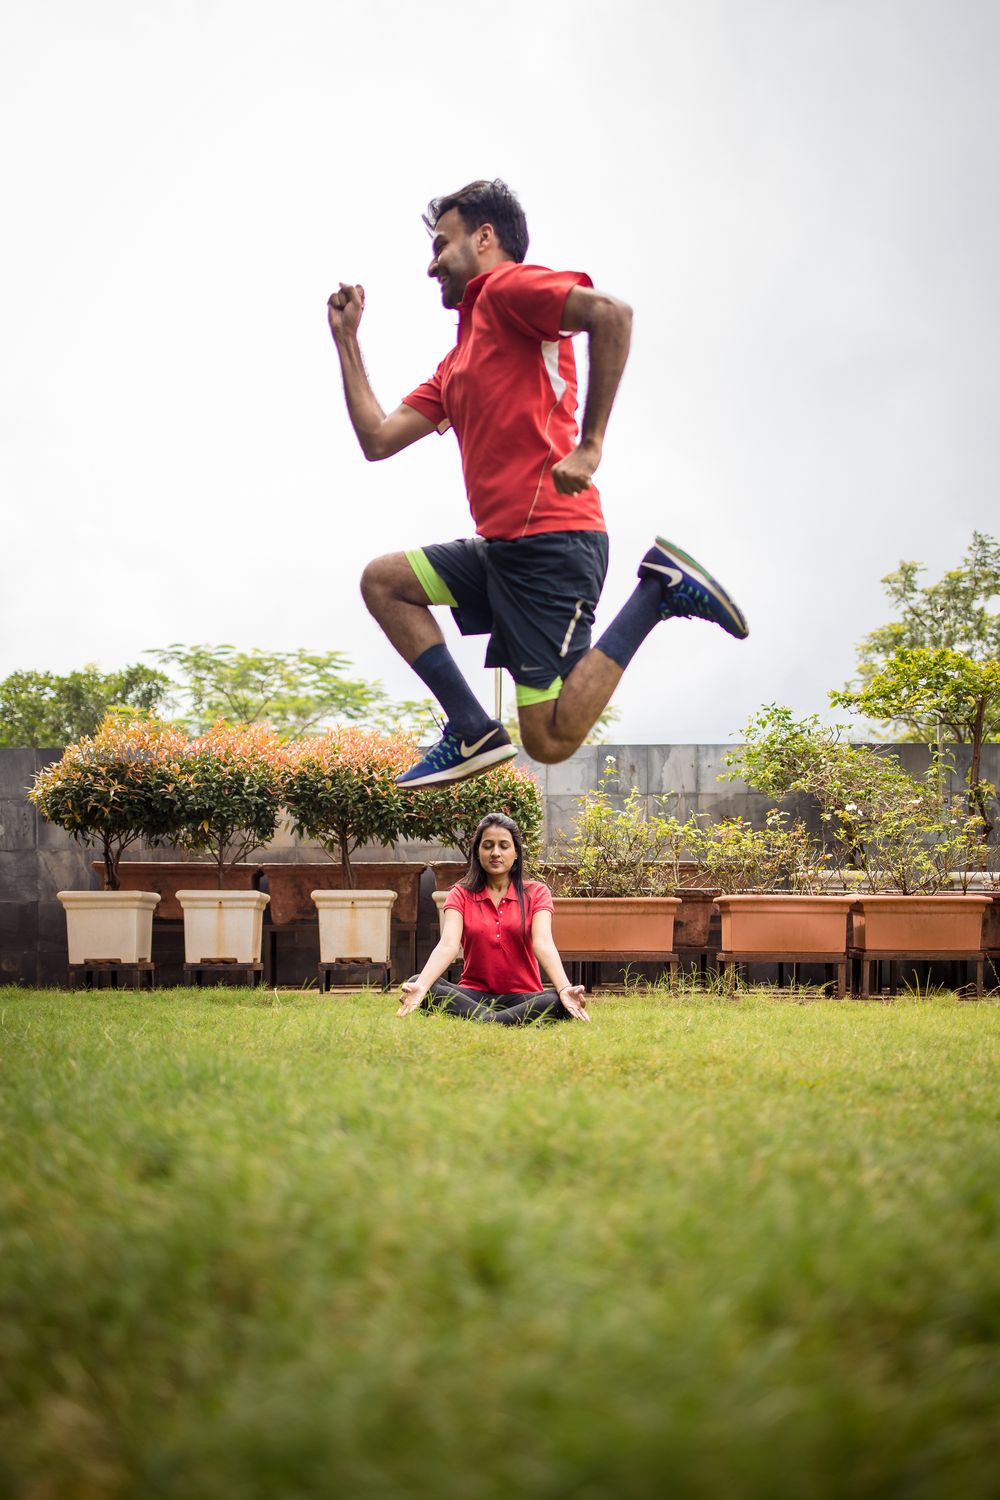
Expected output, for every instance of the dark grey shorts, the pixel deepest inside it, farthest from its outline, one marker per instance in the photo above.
(534, 597)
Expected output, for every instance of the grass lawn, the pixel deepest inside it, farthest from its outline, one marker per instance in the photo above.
(290, 1247)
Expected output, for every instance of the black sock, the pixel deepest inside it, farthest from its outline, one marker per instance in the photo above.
(633, 622)
(439, 670)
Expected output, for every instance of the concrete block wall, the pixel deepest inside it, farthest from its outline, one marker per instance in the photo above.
(37, 859)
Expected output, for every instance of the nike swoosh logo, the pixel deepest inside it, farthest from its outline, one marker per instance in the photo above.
(471, 749)
(674, 574)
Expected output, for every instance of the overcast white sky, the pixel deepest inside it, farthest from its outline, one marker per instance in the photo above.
(798, 197)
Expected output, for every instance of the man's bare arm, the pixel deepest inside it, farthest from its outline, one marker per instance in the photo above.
(380, 436)
(608, 325)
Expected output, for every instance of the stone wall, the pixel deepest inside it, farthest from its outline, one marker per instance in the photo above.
(38, 860)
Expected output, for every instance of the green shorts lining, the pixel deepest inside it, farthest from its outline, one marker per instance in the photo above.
(431, 582)
(527, 695)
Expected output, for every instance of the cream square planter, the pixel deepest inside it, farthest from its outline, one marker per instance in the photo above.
(109, 926)
(220, 925)
(354, 925)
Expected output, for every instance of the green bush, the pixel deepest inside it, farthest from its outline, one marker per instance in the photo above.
(230, 792)
(120, 785)
(618, 851)
(450, 814)
(341, 791)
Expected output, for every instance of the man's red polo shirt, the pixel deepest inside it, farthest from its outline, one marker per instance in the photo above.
(509, 390)
(497, 959)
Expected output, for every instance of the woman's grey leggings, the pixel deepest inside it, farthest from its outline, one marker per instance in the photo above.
(503, 1010)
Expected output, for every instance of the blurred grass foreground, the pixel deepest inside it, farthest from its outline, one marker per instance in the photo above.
(288, 1246)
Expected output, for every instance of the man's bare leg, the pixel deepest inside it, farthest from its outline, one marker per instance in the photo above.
(551, 731)
(396, 598)
(471, 742)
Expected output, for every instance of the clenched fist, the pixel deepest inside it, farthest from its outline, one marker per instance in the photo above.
(574, 472)
(344, 309)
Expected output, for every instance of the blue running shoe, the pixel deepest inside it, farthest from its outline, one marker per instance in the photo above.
(688, 590)
(453, 759)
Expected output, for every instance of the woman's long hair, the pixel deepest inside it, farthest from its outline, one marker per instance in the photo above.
(474, 878)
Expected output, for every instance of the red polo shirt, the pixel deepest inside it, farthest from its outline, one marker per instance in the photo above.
(509, 390)
(497, 959)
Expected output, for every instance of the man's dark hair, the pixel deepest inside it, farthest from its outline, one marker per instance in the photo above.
(486, 203)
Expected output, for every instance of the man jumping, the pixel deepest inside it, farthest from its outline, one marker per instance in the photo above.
(531, 577)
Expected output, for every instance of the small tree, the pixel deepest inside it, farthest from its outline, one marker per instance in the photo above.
(230, 792)
(120, 785)
(340, 790)
(42, 709)
(293, 691)
(450, 814)
(935, 690)
(952, 614)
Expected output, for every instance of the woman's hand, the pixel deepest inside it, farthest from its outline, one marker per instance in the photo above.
(413, 993)
(573, 996)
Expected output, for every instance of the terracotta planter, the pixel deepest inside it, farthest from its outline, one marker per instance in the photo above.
(109, 926)
(991, 925)
(169, 876)
(784, 923)
(694, 916)
(620, 926)
(448, 872)
(919, 924)
(354, 925)
(292, 886)
(222, 925)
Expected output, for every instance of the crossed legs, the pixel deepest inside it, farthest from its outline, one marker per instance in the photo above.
(498, 1010)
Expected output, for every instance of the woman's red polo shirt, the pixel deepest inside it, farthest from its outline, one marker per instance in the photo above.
(497, 959)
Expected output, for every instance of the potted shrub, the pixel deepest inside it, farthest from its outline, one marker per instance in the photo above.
(895, 839)
(231, 795)
(907, 852)
(770, 887)
(110, 790)
(340, 791)
(614, 877)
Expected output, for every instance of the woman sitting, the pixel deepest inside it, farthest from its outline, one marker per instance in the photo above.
(502, 926)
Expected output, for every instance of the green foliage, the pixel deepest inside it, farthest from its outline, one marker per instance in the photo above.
(341, 791)
(123, 784)
(734, 856)
(450, 814)
(231, 781)
(950, 616)
(933, 690)
(293, 691)
(42, 709)
(902, 833)
(618, 851)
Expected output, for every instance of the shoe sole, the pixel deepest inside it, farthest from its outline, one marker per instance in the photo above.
(688, 564)
(472, 767)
